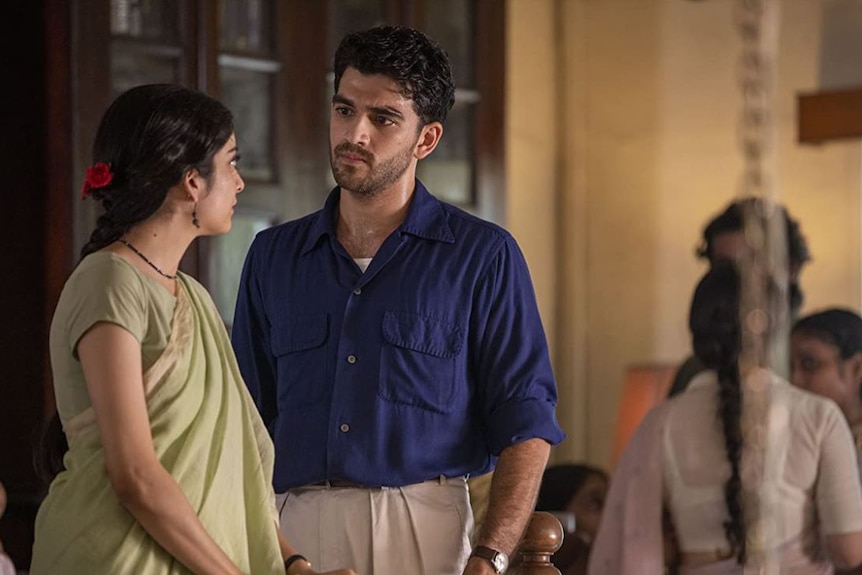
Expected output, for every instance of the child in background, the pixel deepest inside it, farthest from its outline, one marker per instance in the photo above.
(578, 491)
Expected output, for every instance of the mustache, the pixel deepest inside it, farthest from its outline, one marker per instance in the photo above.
(353, 150)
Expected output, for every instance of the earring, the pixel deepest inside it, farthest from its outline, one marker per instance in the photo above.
(195, 220)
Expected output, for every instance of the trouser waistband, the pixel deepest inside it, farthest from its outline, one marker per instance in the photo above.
(345, 484)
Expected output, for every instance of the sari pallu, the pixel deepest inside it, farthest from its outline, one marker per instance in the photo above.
(630, 540)
(208, 436)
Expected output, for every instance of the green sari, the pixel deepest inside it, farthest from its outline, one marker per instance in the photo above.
(207, 434)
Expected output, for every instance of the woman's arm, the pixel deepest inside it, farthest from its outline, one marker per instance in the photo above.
(111, 359)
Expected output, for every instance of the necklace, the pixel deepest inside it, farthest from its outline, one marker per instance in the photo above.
(146, 259)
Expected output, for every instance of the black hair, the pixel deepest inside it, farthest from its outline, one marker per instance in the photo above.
(416, 62)
(835, 326)
(51, 446)
(714, 322)
(732, 219)
(150, 137)
(560, 483)
(839, 327)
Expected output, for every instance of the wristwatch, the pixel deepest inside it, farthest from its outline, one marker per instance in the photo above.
(498, 559)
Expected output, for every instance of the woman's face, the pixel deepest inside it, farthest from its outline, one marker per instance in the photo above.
(587, 505)
(817, 366)
(215, 208)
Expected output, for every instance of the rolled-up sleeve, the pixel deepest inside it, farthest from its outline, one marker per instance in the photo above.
(516, 386)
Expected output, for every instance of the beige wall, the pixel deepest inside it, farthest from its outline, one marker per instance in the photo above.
(621, 143)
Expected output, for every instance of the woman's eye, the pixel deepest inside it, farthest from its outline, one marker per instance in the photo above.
(809, 364)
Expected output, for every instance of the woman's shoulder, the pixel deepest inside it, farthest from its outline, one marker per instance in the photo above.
(804, 404)
(104, 272)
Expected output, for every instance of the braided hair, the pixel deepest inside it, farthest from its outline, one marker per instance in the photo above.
(151, 136)
(716, 337)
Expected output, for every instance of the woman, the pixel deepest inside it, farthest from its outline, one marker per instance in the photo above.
(578, 490)
(826, 359)
(690, 456)
(169, 467)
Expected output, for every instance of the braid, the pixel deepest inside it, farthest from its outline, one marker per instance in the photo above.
(715, 328)
(107, 232)
(730, 411)
(124, 204)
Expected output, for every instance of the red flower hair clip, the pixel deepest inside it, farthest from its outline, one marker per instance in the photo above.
(98, 176)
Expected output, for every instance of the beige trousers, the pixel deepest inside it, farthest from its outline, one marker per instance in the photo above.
(420, 529)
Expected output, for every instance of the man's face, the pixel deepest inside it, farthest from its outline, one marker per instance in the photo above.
(728, 246)
(373, 134)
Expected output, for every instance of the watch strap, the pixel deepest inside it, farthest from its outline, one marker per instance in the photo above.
(491, 555)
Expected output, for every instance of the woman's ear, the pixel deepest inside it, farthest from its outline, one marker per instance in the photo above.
(194, 185)
(854, 365)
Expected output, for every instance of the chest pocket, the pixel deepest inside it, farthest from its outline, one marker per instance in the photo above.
(418, 361)
(299, 347)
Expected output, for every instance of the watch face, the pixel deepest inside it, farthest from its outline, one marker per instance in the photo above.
(500, 562)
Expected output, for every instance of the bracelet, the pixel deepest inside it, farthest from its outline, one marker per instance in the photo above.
(293, 559)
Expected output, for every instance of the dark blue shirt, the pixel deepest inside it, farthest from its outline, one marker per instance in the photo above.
(430, 363)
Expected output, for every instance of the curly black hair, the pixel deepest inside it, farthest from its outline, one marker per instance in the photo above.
(415, 61)
(732, 219)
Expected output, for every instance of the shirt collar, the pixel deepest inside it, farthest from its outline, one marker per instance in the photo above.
(425, 218)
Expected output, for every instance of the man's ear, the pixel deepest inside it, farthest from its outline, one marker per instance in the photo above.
(194, 185)
(429, 136)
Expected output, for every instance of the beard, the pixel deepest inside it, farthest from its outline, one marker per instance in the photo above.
(379, 176)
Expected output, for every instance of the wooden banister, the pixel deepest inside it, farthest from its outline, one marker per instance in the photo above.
(542, 538)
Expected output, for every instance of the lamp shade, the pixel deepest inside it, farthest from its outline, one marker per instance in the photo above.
(645, 386)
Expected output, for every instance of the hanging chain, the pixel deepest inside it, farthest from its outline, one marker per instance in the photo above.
(763, 269)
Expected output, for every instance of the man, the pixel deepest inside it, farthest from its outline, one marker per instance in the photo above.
(724, 239)
(393, 343)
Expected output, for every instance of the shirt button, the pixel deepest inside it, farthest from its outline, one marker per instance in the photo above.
(351, 359)
(357, 291)
(345, 428)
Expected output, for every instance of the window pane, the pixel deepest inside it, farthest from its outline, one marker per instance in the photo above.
(151, 19)
(131, 68)
(448, 171)
(450, 22)
(246, 26)
(228, 255)
(353, 15)
(248, 94)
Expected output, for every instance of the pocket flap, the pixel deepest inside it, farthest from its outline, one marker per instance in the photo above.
(299, 332)
(422, 333)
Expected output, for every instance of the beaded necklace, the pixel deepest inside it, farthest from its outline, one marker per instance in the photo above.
(146, 259)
